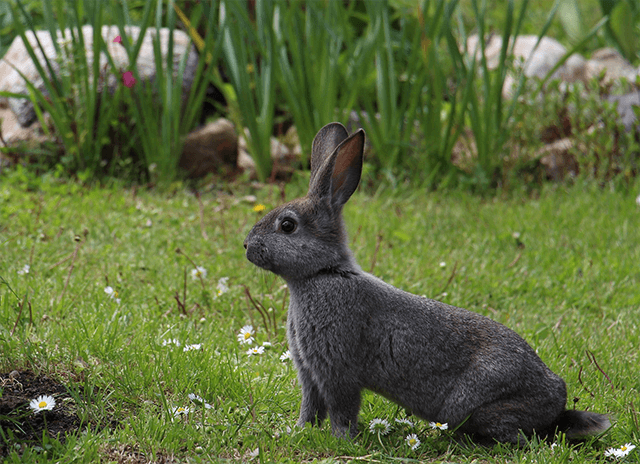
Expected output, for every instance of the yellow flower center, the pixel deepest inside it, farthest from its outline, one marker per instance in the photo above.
(258, 208)
(412, 441)
(42, 404)
(623, 448)
(180, 410)
(247, 335)
(438, 424)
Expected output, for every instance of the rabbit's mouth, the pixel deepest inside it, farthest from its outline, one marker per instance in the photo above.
(256, 254)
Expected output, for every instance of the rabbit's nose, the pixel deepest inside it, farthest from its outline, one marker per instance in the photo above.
(245, 245)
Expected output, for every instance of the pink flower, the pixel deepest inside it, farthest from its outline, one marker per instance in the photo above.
(118, 39)
(128, 79)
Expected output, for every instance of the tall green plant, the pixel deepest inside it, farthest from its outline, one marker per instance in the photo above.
(399, 79)
(443, 106)
(249, 56)
(489, 112)
(623, 26)
(313, 42)
(80, 117)
(93, 125)
(157, 107)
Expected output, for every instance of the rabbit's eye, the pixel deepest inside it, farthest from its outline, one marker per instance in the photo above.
(288, 226)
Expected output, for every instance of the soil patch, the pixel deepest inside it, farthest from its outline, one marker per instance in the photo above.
(18, 423)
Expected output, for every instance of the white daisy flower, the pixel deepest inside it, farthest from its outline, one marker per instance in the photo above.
(621, 452)
(24, 270)
(380, 426)
(113, 294)
(266, 344)
(443, 264)
(286, 356)
(195, 346)
(199, 400)
(516, 235)
(438, 425)
(198, 273)
(412, 441)
(222, 285)
(638, 200)
(42, 403)
(246, 334)
(404, 422)
(255, 350)
(171, 341)
(179, 411)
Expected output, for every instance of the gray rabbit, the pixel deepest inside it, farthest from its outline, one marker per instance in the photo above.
(350, 331)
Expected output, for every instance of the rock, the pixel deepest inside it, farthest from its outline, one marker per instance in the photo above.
(17, 59)
(557, 159)
(246, 163)
(283, 158)
(536, 61)
(612, 63)
(208, 148)
(625, 105)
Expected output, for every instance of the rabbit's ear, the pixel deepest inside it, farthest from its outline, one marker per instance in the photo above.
(325, 141)
(339, 175)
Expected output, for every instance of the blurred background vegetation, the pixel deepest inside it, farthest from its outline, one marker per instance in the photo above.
(397, 68)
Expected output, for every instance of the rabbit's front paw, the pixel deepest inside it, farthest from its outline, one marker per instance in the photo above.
(313, 409)
(345, 430)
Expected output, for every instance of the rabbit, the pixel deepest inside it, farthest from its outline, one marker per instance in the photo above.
(348, 330)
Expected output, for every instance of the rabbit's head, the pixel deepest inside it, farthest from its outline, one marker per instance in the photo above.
(306, 236)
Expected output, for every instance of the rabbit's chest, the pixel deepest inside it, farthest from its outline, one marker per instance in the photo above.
(319, 336)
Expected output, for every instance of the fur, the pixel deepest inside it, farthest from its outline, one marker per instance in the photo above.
(349, 331)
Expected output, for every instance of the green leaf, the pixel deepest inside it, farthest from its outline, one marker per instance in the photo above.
(623, 28)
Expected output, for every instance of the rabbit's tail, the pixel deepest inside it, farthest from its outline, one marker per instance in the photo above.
(581, 424)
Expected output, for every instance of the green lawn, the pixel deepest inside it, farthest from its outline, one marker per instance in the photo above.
(568, 283)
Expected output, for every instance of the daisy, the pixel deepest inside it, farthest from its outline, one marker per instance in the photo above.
(404, 422)
(443, 264)
(42, 403)
(171, 341)
(412, 441)
(286, 356)
(113, 294)
(438, 425)
(199, 400)
(255, 350)
(380, 426)
(195, 346)
(267, 345)
(246, 334)
(179, 411)
(198, 273)
(24, 270)
(222, 285)
(619, 452)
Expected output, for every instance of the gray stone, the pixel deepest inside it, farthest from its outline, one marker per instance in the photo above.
(625, 105)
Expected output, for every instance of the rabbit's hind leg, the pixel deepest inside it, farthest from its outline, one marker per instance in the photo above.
(503, 421)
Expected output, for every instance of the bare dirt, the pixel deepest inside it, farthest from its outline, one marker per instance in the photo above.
(19, 425)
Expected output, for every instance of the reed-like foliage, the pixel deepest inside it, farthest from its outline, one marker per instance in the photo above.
(249, 55)
(101, 131)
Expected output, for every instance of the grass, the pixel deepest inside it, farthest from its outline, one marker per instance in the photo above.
(568, 284)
